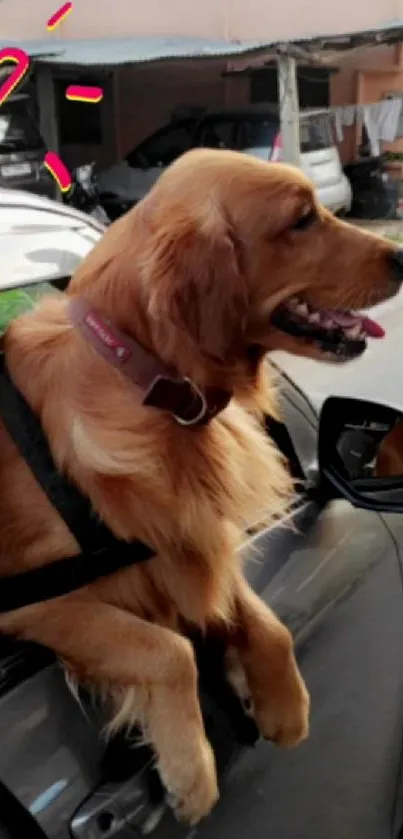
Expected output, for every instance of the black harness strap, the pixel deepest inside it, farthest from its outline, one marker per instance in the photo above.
(102, 553)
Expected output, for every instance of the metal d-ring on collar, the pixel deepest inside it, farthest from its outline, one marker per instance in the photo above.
(196, 398)
(203, 406)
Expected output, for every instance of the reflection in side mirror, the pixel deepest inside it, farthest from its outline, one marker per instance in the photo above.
(361, 453)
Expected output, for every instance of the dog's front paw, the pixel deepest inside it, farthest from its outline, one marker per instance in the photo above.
(282, 713)
(191, 784)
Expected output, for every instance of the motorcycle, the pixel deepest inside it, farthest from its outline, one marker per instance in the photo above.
(375, 195)
(84, 194)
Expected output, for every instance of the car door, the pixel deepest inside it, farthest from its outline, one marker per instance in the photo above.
(340, 589)
(335, 579)
(329, 576)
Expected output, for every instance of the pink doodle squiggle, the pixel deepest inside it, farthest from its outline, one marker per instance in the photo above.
(58, 16)
(58, 170)
(18, 57)
(84, 93)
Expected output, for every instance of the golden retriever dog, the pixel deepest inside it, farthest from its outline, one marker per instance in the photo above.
(225, 258)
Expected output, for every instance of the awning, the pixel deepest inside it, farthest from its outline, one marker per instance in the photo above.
(109, 53)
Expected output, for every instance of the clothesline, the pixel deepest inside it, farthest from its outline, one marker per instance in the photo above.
(357, 107)
(381, 120)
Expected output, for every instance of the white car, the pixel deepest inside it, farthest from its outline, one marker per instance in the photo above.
(254, 131)
(41, 240)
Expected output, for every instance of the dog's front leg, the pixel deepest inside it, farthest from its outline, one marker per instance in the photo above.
(264, 648)
(151, 672)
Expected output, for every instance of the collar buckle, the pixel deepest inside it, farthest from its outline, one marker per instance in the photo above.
(182, 398)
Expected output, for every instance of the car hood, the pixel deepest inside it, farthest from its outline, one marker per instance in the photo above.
(17, 199)
(41, 240)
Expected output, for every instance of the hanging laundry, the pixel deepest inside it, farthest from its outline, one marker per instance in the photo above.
(391, 118)
(382, 122)
(344, 116)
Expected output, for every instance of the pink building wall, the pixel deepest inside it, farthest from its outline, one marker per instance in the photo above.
(229, 19)
(365, 75)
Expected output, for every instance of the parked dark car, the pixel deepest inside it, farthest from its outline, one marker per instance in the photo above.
(22, 149)
(254, 131)
(334, 576)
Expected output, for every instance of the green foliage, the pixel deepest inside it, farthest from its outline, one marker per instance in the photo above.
(15, 302)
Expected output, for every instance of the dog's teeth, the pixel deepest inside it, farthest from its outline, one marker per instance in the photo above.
(302, 309)
(354, 331)
(293, 304)
(314, 317)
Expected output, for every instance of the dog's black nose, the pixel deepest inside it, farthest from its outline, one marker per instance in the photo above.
(397, 263)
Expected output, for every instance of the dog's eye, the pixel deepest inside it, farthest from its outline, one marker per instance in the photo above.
(305, 221)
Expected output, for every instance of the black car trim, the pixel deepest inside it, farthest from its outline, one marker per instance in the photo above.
(16, 819)
(281, 437)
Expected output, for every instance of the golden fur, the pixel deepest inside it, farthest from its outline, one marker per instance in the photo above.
(192, 273)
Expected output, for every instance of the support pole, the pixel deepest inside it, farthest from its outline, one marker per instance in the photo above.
(289, 108)
(48, 113)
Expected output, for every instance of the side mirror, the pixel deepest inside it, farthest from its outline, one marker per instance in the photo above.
(361, 453)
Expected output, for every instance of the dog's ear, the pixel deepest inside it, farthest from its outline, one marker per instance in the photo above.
(196, 280)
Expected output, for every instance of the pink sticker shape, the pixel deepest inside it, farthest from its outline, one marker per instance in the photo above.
(59, 16)
(18, 57)
(58, 170)
(84, 93)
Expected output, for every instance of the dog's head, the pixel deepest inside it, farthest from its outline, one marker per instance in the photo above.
(235, 257)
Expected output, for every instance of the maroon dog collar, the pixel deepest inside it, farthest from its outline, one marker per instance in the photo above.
(162, 389)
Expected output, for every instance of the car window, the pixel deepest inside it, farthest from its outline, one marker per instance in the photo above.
(256, 134)
(163, 147)
(315, 134)
(218, 134)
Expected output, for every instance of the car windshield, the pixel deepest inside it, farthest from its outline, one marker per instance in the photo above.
(256, 134)
(218, 134)
(163, 147)
(18, 131)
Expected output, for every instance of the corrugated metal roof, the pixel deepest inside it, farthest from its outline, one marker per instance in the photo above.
(114, 52)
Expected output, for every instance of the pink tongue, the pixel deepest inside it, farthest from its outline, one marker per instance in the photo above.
(345, 319)
(372, 328)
